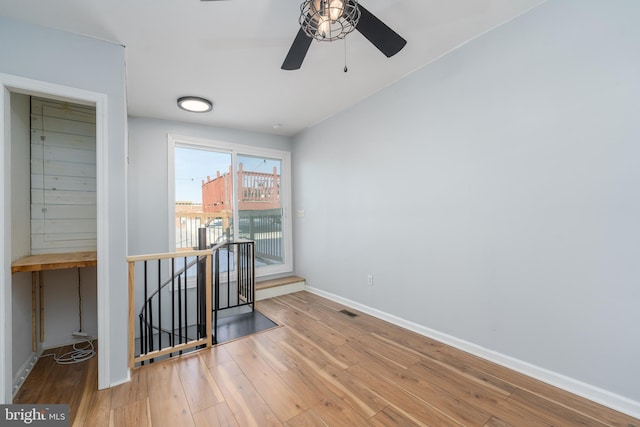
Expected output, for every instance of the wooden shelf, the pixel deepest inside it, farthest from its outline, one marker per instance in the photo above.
(37, 264)
(55, 261)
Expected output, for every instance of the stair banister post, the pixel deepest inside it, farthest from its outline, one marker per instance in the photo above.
(202, 274)
(131, 313)
(208, 308)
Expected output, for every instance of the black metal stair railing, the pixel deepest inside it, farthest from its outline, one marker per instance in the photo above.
(182, 295)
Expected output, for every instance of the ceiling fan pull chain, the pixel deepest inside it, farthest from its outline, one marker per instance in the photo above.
(345, 55)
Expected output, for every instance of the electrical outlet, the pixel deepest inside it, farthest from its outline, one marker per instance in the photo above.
(370, 280)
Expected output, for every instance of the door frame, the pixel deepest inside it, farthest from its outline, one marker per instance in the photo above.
(17, 84)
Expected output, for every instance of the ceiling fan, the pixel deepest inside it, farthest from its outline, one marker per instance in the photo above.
(318, 15)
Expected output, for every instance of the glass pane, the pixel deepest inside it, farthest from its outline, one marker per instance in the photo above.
(260, 207)
(204, 196)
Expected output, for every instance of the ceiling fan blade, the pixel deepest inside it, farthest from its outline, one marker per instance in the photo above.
(377, 32)
(297, 52)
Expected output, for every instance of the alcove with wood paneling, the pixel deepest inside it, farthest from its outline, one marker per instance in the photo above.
(54, 226)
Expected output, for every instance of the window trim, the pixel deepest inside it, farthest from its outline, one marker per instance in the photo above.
(236, 149)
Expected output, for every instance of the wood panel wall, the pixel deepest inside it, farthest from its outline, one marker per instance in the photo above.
(63, 177)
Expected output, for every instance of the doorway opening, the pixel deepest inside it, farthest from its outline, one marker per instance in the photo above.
(16, 327)
(54, 211)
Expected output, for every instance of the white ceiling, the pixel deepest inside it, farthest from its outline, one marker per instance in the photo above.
(231, 51)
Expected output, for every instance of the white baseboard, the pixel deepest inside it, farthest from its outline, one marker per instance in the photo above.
(588, 391)
(279, 290)
(49, 345)
(24, 372)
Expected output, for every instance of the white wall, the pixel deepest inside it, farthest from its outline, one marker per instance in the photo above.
(148, 174)
(493, 196)
(61, 305)
(61, 60)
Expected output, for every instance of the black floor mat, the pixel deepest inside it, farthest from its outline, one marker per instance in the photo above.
(230, 327)
(240, 325)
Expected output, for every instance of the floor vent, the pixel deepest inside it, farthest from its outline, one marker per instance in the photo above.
(348, 313)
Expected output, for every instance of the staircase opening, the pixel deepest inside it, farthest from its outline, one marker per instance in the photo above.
(233, 326)
(187, 300)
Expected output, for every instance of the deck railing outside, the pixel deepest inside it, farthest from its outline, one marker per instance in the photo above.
(188, 224)
(262, 226)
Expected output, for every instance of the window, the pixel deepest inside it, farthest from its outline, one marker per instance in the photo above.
(231, 192)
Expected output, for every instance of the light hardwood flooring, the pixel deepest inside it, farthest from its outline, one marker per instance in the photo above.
(324, 368)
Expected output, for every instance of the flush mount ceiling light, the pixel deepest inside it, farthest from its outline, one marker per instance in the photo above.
(195, 104)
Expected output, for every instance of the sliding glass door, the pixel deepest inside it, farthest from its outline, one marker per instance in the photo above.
(259, 206)
(231, 192)
(203, 196)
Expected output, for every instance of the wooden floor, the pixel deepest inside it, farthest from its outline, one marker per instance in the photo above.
(322, 368)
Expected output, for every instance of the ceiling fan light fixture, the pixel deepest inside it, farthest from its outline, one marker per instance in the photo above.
(329, 20)
(195, 104)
